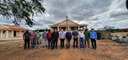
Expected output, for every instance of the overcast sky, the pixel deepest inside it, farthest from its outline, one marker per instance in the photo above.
(95, 13)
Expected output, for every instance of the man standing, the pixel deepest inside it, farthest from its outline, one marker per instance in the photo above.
(86, 34)
(49, 38)
(26, 38)
(56, 36)
(68, 38)
(37, 34)
(81, 37)
(44, 39)
(75, 36)
(62, 38)
(93, 37)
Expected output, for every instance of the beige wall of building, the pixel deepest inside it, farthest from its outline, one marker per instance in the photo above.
(11, 32)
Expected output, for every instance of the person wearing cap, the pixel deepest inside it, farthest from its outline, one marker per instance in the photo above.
(93, 37)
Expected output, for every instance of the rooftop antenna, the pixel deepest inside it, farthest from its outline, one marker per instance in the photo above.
(67, 17)
(67, 22)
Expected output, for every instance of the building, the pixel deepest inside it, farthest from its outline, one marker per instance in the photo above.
(67, 24)
(8, 32)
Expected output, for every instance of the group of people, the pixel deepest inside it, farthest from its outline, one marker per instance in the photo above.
(50, 38)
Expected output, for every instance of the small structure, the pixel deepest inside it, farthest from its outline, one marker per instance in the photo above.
(8, 32)
(67, 24)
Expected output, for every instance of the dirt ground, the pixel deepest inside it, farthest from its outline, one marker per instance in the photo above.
(106, 50)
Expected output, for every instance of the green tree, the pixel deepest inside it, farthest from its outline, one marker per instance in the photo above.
(127, 4)
(17, 10)
(108, 28)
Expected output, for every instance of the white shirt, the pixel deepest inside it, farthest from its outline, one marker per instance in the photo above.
(81, 34)
(62, 34)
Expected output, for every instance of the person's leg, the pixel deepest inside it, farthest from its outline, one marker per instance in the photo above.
(85, 42)
(80, 42)
(77, 42)
(68, 43)
(88, 42)
(52, 44)
(49, 43)
(95, 43)
(46, 42)
(25, 44)
(37, 42)
(28, 41)
(62, 43)
(92, 43)
(55, 43)
(74, 43)
(32, 43)
(43, 41)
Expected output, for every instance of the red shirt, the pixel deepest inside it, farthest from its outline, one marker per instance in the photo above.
(49, 35)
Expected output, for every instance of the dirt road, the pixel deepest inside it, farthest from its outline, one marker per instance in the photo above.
(106, 50)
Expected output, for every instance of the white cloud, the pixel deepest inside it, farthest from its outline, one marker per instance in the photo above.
(95, 13)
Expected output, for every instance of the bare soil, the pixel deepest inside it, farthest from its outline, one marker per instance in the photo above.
(106, 50)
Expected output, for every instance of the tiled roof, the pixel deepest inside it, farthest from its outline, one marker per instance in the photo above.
(11, 27)
(67, 22)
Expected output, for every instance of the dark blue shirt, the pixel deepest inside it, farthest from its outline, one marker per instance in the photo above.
(68, 35)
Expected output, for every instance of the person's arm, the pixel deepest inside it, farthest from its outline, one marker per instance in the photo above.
(71, 35)
(47, 35)
(90, 35)
(57, 35)
(96, 36)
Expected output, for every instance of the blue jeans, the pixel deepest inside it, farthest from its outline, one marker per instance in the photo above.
(33, 42)
(49, 43)
(81, 42)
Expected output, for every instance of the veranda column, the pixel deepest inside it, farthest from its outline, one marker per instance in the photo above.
(12, 33)
(6, 34)
(20, 34)
(1, 33)
(58, 28)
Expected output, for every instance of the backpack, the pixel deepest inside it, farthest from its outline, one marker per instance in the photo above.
(27, 35)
